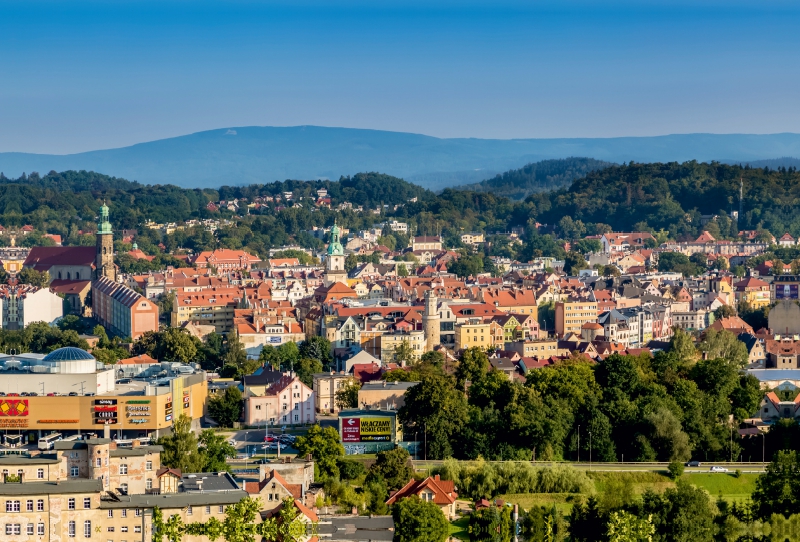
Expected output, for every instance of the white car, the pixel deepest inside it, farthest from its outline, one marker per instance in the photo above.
(718, 469)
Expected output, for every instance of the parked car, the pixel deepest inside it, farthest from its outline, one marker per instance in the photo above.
(718, 469)
(693, 464)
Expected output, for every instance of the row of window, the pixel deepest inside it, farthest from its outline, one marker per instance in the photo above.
(124, 529)
(16, 529)
(87, 529)
(124, 512)
(15, 506)
(39, 473)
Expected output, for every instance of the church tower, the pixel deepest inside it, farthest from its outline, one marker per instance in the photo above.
(104, 259)
(334, 265)
(430, 321)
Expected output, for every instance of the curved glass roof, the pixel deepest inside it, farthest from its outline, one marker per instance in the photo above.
(68, 353)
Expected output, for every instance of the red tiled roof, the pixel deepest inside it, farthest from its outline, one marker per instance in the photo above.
(43, 258)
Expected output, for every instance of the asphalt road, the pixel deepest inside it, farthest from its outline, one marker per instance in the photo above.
(628, 467)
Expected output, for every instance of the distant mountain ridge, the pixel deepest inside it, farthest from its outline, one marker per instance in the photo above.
(245, 155)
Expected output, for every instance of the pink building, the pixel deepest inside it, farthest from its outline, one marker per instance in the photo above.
(286, 402)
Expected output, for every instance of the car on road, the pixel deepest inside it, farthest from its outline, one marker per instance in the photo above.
(262, 461)
(718, 469)
(693, 464)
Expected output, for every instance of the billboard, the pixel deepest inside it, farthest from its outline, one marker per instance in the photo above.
(785, 291)
(372, 429)
(14, 407)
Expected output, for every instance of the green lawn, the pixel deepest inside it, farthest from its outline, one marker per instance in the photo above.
(718, 485)
(725, 485)
(458, 529)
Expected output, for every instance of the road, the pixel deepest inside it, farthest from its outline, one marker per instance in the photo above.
(625, 467)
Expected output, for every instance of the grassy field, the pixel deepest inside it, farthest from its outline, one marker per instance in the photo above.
(718, 485)
(458, 529)
(726, 486)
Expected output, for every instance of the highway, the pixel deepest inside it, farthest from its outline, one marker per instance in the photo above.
(619, 467)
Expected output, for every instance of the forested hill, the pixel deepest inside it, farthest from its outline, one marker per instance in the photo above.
(674, 196)
(65, 202)
(538, 177)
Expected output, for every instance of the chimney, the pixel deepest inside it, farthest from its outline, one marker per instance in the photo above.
(136, 443)
(436, 478)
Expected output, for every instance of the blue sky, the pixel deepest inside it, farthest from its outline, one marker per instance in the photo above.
(78, 76)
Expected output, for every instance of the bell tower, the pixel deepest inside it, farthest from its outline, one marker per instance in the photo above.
(104, 259)
(334, 265)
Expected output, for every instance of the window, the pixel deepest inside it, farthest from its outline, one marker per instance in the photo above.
(71, 504)
(40, 474)
(148, 465)
(148, 484)
(111, 513)
(29, 529)
(98, 462)
(208, 509)
(74, 472)
(87, 529)
(221, 509)
(138, 512)
(87, 502)
(40, 505)
(13, 528)
(29, 506)
(71, 528)
(124, 512)
(12, 506)
(40, 529)
(123, 468)
(188, 510)
(124, 488)
(137, 528)
(123, 529)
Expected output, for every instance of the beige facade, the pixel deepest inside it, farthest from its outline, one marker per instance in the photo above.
(531, 349)
(571, 315)
(391, 341)
(325, 386)
(384, 395)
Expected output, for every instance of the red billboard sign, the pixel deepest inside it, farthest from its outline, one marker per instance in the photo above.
(351, 429)
(14, 407)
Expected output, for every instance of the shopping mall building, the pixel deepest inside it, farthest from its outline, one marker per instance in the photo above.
(69, 392)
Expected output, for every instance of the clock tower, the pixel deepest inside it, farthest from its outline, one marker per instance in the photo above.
(334, 265)
(104, 259)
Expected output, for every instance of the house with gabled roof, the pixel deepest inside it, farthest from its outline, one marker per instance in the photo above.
(787, 240)
(273, 489)
(433, 489)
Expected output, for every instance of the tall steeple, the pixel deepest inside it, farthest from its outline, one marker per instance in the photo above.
(334, 265)
(104, 259)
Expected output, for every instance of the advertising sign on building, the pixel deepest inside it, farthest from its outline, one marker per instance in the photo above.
(786, 291)
(14, 407)
(373, 429)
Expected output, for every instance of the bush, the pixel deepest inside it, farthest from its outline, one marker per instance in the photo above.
(675, 469)
(737, 473)
(350, 469)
